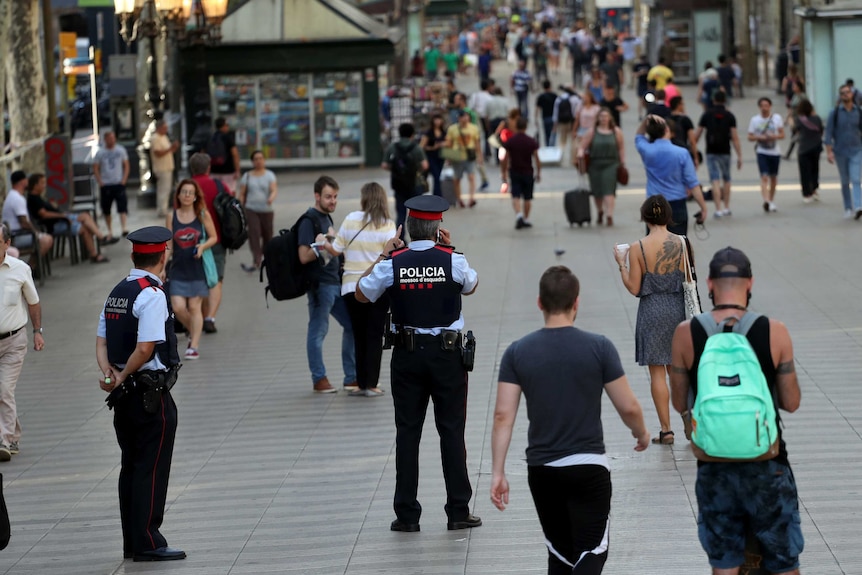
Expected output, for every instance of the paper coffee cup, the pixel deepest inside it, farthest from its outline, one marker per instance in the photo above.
(622, 248)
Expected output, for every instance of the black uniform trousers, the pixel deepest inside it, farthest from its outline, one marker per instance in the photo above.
(430, 372)
(147, 444)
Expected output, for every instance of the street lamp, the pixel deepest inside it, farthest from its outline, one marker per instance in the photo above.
(186, 22)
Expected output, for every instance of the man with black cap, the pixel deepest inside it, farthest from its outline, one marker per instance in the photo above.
(736, 496)
(136, 349)
(425, 283)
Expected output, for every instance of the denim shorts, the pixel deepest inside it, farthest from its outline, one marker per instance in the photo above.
(462, 168)
(61, 226)
(760, 495)
(719, 167)
(194, 288)
(768, 165)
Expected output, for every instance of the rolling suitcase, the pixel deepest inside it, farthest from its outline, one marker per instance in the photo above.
(577, 204)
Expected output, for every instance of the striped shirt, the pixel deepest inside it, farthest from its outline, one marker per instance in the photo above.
(521, 80)
(364, 248)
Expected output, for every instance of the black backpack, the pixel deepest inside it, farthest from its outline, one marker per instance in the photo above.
(216, 150)
(287, 277)
(404, 170)
(564, 110)
(231, 217)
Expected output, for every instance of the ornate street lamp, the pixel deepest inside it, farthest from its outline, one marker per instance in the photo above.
(180, 22)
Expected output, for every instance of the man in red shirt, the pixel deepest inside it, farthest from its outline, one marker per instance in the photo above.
(521, 152)
(199, 167)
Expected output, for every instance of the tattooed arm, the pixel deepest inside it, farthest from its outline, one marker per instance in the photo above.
(782, 352)
(682, 356)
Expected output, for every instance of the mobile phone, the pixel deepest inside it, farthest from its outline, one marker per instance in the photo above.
(439, 236)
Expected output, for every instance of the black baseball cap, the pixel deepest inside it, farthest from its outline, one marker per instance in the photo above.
(17, 176)
(729, 263)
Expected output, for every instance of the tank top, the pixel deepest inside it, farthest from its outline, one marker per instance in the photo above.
(185, 266)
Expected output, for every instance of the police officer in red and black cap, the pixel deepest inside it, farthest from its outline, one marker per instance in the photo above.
(425, 283)
(137, 352)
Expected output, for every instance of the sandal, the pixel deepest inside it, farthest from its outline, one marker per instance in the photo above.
(99, 259)
(664, 438)
(601, 218)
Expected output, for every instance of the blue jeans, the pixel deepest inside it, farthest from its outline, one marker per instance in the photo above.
(550, 135)
(325, 300)
(850, 170)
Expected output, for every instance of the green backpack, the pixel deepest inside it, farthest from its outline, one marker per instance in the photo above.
(733, 416)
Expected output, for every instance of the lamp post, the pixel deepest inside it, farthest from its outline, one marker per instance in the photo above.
(180, 22)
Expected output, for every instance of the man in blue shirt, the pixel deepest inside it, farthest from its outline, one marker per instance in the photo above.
(843, 143)
(670, 171)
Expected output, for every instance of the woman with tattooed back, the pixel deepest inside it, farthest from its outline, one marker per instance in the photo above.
(655, 273)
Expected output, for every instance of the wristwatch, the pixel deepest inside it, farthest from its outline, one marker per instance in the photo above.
(39, 330)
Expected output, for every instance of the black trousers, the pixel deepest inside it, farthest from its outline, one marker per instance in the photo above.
(368, 321)
(147, 444)
(809, 171)
(573, 504)
(430, 372)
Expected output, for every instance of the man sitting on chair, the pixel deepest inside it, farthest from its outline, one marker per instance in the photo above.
(57, 222)
(15, 215)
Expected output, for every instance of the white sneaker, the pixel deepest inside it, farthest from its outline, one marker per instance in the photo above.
(848, 214)
(816, 196)
(727, 213)
(807, 200)
(773, 207)
(718, 214)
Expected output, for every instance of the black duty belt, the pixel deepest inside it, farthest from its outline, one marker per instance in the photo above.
(10, 333)
(407, 338)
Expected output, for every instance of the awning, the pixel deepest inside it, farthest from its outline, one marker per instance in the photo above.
(446, 7)
(846, 9)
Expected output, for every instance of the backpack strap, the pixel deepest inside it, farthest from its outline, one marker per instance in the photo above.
(741, 326)
(220, 187)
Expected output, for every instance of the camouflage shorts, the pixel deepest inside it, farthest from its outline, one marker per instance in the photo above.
(733, 498)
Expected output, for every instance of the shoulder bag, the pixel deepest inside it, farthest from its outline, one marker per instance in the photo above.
(209, 263)
(689, 283)
(622, 175)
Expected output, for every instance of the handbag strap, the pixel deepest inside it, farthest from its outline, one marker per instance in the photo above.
(357, 234)
(689, 266)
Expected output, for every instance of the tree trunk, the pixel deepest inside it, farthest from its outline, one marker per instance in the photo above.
(4, 49)
(25, 83)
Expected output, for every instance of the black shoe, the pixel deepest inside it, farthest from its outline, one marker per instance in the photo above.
(519, 223)
(766, 207)
(128, 554)
(467, 523)
(210, 326)
(858, 215)
(399, 525)
(160, 554)
(527, 224)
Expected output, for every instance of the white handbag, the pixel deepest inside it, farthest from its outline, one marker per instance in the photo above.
(689, 284)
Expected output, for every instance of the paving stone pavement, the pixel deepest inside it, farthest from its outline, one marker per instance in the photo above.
(271, 478)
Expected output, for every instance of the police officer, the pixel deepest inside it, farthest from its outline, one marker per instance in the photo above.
(137, 352)
(425, 283)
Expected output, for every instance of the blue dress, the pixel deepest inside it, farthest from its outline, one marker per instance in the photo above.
(661, 309)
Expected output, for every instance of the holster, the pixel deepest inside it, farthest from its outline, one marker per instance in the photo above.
(151, 385)
(468, 352)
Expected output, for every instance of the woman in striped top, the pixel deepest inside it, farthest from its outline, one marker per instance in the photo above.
(361, 239)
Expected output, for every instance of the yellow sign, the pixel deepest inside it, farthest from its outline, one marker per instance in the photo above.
(67, 45)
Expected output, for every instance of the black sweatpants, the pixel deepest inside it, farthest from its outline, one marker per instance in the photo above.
(809, 171)
(573, 504)
(147, 444)
(430, 372)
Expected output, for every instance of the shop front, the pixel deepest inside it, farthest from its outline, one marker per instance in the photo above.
(695, 32)
(304, 99)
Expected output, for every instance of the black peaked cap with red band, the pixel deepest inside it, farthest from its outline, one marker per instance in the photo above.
(150, 240)
(427, 207)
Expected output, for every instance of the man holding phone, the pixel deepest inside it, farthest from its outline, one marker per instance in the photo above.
(670, 171)
(425, 282)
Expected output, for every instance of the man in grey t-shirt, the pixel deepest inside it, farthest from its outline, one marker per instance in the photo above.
(111, 168)
(562, 372)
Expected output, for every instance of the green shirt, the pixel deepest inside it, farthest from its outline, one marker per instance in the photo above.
(451, 60)
(432, 59)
